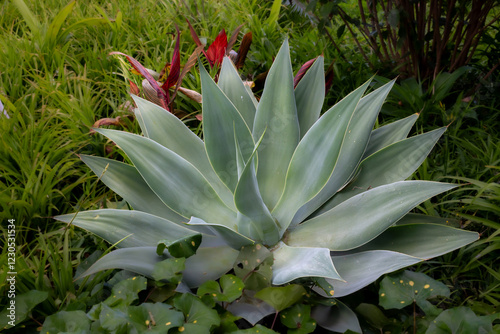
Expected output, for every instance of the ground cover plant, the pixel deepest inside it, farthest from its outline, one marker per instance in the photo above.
(62, 88)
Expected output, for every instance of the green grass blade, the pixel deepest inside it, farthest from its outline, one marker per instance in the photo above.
(28, 16)
(272, 20)
(88, 22)
(54, 31)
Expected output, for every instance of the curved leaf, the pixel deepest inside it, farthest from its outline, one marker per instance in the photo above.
(349, 148)
(221, 123)
(421, 240)
(230, 83)
(209, 264)
(67, 322)
(276, 115)
(398, 247)
(393, 163)
(138, 228)
(231, 237)
(249, 308)
(346, 226)
(310, 94)
(316, 157)
(389, 134)
(140, 260)
(462, 320)
(360, 269)
(282, 297)
(168, 130)
(200, 267)
(337, 318)
(295, 262)
(257, 222)
(126, 181)
(176, 182)
(55, 28)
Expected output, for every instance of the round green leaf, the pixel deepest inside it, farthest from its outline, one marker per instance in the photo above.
(461, 320)
(230, 288)
(298, 317)
(196, 312)
(66, 321)
(126, 291)
(184, 247)
(24, 303)
(169, 270)
(154, 318)
(403, 289)
(282, 297)
(254, 266)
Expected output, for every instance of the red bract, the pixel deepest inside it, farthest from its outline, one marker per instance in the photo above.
(170, 76)
(302, 71)
(222, 47)
(217, 49)
(175, 66)
(144, 72)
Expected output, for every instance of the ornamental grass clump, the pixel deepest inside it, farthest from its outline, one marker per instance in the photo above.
(326, 196)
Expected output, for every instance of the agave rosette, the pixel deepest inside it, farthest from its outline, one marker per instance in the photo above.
(326, 195)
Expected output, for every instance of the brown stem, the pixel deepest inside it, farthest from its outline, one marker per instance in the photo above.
(379, 32)
(457, 36)
(274, 320)
(476, 21)
(342, 13)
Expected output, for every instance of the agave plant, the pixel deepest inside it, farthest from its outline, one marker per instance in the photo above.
(325, 195)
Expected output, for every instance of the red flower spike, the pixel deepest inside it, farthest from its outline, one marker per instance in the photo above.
(217, 49)
(139, 68)
(175, 66)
